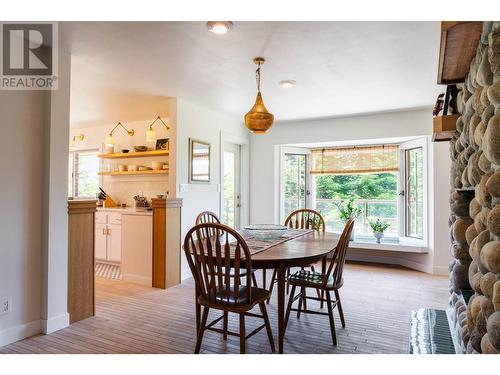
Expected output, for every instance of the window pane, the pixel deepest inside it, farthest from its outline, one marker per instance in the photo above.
(294, 182)
(414, 193)
(374, 194)
(86, 174)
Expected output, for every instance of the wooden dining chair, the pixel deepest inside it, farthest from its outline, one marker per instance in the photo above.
(210, 260)
(328, 281)
(210, 217)
(302, 219)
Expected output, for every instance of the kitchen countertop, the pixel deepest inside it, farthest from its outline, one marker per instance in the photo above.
(125, 211)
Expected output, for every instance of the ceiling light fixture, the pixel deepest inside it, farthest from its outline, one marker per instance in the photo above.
(259, 120)
(287, 83)
(219, 27)
(110, 140)
(150, 134)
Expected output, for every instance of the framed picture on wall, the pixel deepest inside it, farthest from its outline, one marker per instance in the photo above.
(199, 161)
(162, 144)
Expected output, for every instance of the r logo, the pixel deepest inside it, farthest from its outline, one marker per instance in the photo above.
(27, 49)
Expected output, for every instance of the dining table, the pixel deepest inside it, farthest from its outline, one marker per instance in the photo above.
(300, 249)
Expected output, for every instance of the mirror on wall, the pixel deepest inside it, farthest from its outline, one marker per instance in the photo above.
(199, 161)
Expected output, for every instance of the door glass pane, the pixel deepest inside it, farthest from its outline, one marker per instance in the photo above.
(414, 193)
(229, 189)
(70, 174)
(294, 183)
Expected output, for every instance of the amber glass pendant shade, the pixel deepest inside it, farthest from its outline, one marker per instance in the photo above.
(258, 120)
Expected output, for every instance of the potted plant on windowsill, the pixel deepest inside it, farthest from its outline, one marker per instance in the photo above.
(348, 210)
(378, 226)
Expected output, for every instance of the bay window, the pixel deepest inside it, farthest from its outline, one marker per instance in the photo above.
(386, 182)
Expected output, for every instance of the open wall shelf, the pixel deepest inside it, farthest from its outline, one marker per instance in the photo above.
(121, 155)
(134, 173)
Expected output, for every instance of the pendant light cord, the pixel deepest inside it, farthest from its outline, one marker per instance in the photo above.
(257, 77)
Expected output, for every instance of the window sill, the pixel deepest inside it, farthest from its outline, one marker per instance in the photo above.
(389, 244)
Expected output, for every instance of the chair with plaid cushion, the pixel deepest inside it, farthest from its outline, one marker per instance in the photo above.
(329, 281)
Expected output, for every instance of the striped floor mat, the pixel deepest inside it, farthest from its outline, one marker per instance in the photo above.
(108, 271)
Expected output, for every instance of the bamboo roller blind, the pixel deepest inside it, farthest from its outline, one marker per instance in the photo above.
(355, 160)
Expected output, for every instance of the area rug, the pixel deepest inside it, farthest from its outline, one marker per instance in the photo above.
(108, 271)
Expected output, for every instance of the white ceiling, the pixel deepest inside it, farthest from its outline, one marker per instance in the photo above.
(341, 68)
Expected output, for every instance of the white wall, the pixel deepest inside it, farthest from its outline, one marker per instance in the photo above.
(21, 167)
(205, 125)
(265, 174)
(33, 245)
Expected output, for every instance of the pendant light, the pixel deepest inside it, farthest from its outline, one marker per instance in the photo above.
(150, 134)
(259, 120)
(110, 140)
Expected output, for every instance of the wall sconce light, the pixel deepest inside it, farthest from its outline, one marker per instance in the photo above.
(110, 140)
(150, 134)
(75, 140)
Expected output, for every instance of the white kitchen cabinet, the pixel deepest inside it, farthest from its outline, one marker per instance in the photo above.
(101, 240)
(114, 248)
(108, 237)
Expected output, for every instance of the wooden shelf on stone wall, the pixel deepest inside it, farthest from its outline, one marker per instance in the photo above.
(444, 127)
(459, 40)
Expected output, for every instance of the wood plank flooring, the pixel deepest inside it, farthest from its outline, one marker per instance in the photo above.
(131, 318)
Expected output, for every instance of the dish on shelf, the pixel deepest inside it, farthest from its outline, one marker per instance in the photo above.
(157, 165)
(122, 168)
(165, 166)
(133, 168)
(140, 148)
(142, 168)
(125, 151)
(266, 231)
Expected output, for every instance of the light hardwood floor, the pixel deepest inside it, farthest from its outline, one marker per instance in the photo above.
(130, 318)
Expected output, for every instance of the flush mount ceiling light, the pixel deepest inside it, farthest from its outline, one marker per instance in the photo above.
(287, 83)
(150, 134)
(259, 120)
(110, 140)
(219, 27)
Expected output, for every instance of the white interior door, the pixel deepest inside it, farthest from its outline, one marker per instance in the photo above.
(231, 177)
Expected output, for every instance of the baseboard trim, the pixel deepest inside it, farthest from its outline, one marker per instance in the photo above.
(13, 334)
(55, 324)
(390, 260)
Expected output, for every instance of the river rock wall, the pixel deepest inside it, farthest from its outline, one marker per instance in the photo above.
(475, 201)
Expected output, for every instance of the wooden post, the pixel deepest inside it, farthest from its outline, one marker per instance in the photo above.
(81, 289)
(166, 242)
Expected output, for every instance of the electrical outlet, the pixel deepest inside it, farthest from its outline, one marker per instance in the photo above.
(183, 188)
(5, 305)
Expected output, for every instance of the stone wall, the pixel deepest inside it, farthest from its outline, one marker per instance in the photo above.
(475, 201)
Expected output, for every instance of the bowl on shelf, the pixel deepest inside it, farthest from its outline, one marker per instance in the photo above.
(140, 148)
(125, 151)
(122, 168)
(265, 231)
(133, 168)
(157, 165)
(143, 168)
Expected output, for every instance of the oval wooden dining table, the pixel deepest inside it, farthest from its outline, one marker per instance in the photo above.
(296, 252)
